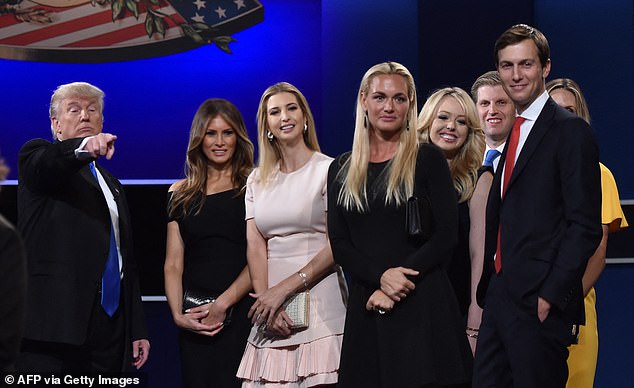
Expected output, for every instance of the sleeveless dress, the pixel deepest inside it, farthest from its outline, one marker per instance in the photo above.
(215, 254)
(290, 212)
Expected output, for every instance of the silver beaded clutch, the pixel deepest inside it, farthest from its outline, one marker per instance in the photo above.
(297, 307)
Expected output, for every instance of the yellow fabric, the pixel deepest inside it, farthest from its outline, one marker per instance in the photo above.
(611, 212)
(582, 360)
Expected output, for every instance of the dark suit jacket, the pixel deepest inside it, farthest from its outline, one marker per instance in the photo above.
(12, 294)
(65, 221)
(550, 216)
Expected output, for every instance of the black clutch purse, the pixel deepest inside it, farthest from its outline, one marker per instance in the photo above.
(418, 218)
(193, 299)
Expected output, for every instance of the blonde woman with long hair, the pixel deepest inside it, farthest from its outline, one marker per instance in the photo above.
(288, 251)
(450, 121)
(403, 327)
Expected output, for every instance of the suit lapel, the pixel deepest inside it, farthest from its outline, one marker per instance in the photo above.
(85, 173)
(540, 128)
(114, 189)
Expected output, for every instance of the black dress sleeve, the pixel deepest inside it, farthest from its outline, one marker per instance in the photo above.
(170, 214)
(344, 252)
(434, 180)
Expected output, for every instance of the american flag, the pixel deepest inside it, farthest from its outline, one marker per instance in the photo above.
(83, 31)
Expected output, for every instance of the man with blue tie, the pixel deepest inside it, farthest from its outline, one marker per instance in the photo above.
(543, 222)
(84, 311)
(496, 112)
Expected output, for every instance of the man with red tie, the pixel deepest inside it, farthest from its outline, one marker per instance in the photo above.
(543, 222)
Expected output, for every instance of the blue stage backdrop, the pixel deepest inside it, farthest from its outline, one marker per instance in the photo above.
(150, 102)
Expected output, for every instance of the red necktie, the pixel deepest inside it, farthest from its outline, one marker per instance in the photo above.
(509, 163)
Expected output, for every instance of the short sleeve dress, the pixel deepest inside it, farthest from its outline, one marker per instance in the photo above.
(215, 254)
(290, 212)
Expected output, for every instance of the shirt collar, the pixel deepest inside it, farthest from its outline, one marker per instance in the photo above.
(532, 112)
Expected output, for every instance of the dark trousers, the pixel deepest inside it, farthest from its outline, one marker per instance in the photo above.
(515, 349)
(102, 351)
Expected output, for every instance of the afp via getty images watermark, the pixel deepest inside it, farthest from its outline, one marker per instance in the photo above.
(122, 380)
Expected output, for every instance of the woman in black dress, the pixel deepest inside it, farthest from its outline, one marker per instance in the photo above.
(449, 120)
(206, 247)
(403, 327)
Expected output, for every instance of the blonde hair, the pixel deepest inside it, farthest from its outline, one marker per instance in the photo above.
(188, 196)
(73, 89)
(400, 170)
(269, 150)
(464, 166)
(580, 102)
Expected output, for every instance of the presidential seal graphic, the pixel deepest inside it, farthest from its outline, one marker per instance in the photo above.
(91, 31)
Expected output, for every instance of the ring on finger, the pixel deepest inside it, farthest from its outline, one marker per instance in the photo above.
(381, 311)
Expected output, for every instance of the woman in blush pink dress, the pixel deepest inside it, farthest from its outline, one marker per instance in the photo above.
(288, 251)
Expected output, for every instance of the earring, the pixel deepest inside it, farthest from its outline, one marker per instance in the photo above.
(407, 128)
(365, 119)
(269, 135)
(305, 127)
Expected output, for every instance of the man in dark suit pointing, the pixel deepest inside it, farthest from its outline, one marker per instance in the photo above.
(543, 223)
(84, 311)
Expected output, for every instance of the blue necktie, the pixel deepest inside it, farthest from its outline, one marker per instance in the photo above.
(111, 279)
(490, 157)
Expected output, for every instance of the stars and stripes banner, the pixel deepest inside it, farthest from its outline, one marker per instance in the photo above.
(112, 30)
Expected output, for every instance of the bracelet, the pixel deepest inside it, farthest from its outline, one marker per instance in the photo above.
(472, 329)
(304, 279)
(474, 335)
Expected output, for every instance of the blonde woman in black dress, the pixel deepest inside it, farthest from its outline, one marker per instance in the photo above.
(403, 327)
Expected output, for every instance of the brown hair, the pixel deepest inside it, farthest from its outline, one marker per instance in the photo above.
(194, 186)
(519, 33)
(490, 78)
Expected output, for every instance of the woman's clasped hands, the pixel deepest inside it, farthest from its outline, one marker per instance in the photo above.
(207, 319)
(266, 312)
